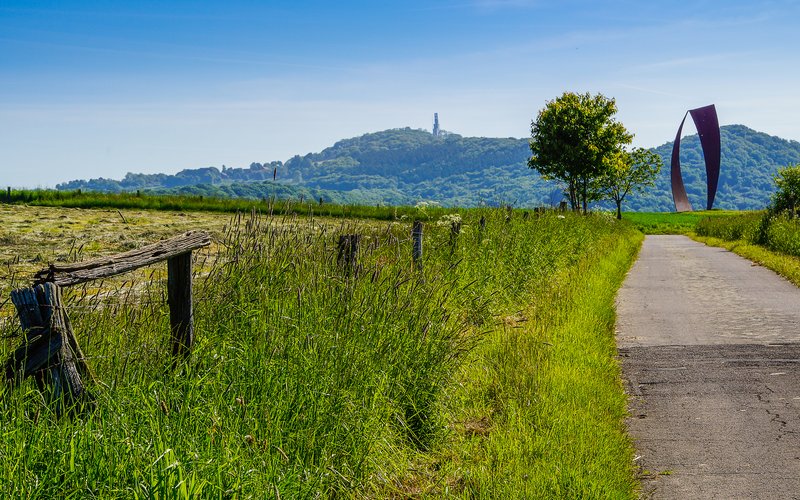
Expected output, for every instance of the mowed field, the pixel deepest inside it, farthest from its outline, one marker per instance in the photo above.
(33, 237)
(488, 370)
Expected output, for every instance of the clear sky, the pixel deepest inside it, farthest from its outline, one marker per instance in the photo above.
(101, 88)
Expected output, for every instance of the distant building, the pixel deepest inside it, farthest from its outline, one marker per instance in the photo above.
(437, 132)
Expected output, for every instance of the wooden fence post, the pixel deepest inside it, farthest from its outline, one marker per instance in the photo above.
(416, 236)
(348, 251)
(49, 346)
(8, 193)
(483, 223)
(455, 230)
(179, 293)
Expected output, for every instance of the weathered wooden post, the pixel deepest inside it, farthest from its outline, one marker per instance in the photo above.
(455, 230)
(49, 346)
(179, 297)
(483, 223)
(8, 193)
(348, 251)
(416, 237)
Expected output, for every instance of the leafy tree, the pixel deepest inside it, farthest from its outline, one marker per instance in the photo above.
(788, 195)
(573, 138)
(629, 172)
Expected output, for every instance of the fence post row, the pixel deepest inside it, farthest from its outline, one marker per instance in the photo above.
(416, 237)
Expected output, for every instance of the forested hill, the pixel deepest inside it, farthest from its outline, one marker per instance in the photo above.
(404, 166)
(750, 159)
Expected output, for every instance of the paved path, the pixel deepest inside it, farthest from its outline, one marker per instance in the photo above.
(710, 349)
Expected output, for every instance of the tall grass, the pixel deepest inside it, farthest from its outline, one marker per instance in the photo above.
(307, 379)
(776, 232)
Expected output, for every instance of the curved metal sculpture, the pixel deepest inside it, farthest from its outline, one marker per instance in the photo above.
(705, 119)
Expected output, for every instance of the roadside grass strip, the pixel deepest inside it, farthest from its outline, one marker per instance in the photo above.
(541, 406)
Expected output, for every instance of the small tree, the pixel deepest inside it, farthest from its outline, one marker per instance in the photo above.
(629, 172)
(573, 138)
(788, 195)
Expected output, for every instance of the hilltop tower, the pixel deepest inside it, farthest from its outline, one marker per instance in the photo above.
(436, 130)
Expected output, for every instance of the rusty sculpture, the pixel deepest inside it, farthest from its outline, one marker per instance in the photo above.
(705, 119)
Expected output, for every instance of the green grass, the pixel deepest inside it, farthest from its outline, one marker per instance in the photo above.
(308, 380)
(540, 406)
(672, 222)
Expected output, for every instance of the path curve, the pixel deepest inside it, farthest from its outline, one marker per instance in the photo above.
(710, 350)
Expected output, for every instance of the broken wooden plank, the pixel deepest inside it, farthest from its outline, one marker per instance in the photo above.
(104, 267)
(47, 345)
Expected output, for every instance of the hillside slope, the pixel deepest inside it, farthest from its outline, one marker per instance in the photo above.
(749, 161)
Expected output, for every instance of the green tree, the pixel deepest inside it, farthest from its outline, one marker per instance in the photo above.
(788, 195)
(573, 138)
(629, 172)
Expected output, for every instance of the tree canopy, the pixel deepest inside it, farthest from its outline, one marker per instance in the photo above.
(629, 171)
(787, 197)
(572, 140)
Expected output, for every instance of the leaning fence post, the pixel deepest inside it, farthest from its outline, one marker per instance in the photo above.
(416, 237)
(179, 293)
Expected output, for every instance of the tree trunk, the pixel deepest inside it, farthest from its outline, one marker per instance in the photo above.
(584, 197)
(573, 195)
(619, 209)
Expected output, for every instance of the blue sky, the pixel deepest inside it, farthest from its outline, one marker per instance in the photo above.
(98, 89)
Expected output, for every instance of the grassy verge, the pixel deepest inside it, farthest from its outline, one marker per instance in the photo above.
(539, 407)
(671, 222)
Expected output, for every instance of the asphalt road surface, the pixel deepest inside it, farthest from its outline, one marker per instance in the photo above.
(710, 350)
